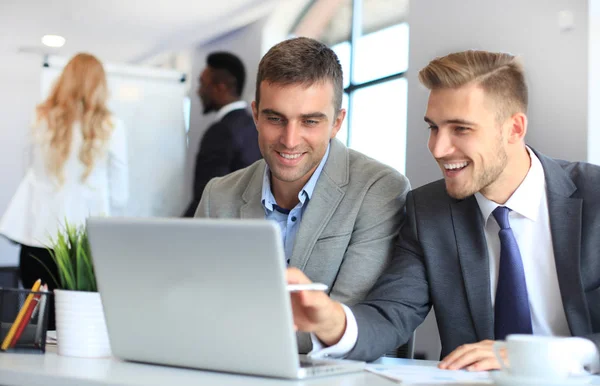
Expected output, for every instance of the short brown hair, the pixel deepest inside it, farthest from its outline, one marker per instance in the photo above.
(301, 61)
(501, 75)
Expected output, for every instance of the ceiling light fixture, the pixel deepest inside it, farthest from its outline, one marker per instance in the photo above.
(53, 40)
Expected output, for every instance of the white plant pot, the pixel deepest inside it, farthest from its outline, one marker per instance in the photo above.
(80, 324)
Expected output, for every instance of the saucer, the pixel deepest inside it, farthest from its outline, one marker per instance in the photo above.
(503, 379)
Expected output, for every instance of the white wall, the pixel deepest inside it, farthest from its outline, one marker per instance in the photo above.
(593, 145)
(556, 62)
(20, 92)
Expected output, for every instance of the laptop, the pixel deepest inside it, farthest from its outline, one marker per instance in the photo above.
(200, 293)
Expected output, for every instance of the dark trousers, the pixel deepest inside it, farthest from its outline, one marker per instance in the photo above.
(30, 269)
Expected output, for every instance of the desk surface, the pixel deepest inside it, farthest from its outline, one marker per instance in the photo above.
(54, 370)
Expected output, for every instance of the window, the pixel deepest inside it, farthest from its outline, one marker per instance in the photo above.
(370, 38)
(379, 122)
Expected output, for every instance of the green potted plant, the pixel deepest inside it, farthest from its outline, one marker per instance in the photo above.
(80, 323)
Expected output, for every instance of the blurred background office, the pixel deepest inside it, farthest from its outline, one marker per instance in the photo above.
(382, 44)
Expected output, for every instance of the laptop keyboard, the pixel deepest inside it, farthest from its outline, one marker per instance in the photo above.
(311, 363)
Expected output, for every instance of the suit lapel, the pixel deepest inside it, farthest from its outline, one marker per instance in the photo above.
(325, 199)
(252, 207)
(565, 214)
(474, 262)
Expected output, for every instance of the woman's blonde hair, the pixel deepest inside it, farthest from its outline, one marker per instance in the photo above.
(500, 75)
(80, 94)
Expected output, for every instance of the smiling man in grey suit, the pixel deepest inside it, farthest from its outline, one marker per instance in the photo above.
(339, 210)
(506, 243)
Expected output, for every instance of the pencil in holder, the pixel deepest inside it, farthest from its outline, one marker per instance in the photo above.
(23, 320)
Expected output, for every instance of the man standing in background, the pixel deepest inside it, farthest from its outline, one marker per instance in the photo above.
(231, 143)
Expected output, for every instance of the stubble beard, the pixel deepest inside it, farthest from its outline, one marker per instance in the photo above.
(484, 179)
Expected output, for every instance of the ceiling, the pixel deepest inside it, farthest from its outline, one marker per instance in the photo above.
(126, 31)
(336, 18)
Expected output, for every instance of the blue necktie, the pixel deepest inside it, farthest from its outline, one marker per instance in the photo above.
(511, 310)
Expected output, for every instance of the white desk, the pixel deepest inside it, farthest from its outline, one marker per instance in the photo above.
(54, 370)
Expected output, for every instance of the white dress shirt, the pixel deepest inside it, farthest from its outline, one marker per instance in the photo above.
(530, 222)
(41, 204)
(237, 105)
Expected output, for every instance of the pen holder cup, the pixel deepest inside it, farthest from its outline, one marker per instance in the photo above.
(23, 324)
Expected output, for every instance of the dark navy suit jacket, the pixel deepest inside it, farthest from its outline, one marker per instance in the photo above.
(441, 260)
(228, 145)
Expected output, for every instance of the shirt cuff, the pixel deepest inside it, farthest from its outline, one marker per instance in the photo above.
(343, 347)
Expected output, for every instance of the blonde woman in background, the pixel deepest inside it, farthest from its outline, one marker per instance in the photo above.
(78, 168)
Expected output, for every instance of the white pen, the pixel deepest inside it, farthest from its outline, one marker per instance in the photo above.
(307, 287)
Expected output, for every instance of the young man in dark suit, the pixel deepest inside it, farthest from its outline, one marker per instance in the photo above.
(231, 143)
(505, 243)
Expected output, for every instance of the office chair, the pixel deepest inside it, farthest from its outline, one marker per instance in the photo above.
(407, 350)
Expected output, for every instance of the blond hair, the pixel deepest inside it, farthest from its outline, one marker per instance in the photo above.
(500, 75)
(80, 94)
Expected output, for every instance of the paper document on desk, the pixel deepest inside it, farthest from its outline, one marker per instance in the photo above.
(428, 375)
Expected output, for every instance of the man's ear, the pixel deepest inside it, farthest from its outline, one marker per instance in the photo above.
(337, 124)
(517, 128)
(255, 112)
(221, 88)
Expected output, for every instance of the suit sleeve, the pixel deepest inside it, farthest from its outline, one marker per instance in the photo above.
(371, 244)
(399, 300)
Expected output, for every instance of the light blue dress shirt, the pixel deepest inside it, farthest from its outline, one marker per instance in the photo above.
(289, 220)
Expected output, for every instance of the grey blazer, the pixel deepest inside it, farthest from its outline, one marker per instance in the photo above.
(441, 260)
(348, 229)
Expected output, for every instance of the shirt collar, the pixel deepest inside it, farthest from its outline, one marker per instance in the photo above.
(526, 199)
(237, 105)
(268, 200)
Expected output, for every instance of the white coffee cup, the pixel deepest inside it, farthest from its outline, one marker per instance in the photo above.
(547, 357)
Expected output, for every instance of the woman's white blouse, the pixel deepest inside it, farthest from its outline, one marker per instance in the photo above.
(41, 205)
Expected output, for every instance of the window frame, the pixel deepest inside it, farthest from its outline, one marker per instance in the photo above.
(355, 34)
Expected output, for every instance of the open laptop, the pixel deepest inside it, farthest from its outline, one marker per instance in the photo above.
(200, 293)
